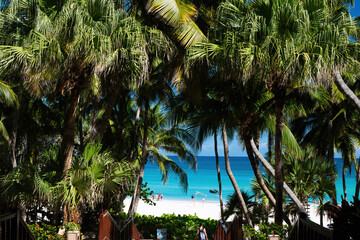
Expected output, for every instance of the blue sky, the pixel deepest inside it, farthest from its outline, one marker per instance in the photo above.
(235, 149)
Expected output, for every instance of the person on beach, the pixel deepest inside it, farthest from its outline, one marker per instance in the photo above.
(161, 196)
(201, 233)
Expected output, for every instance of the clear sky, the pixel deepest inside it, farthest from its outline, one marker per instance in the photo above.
(235, 149)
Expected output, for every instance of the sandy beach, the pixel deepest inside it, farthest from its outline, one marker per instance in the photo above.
(209, 209)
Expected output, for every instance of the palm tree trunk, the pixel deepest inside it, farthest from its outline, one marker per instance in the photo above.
(270, 141)
(67, 145)
(93, 122)
(331, 159)
(279, 178)
(15, 122)
(219, 176)
(344, 182)
(346, 91)
(286, 188)
(321, 214)
(133, 142)
(256, 170)
(66, 213)
(231, 176)
(357, 187)
(81, 136)
(136, 196)
(255, 166)
(108, 109)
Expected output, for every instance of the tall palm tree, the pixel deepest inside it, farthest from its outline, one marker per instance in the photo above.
(156, 135)
(270, 40)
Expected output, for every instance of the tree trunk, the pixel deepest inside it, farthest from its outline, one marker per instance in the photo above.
(137, 191)
(93, 122)
(270, 141)
(22, 211)
(67, 145)
(15, 122)
(134, 140)
(288, 191)
(255, 167)
(331, 159)
(81, 137)
(106, 115)
(219, 176)
(66, 214)
(321, 214)
(231, 176)
(344, 182)
(357, 187)
(279, 179)
(346, 91)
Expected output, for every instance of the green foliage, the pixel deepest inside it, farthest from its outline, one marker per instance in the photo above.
(145, 194)
(178, 227)
(44, 231)
(266, 230)
(71, 226)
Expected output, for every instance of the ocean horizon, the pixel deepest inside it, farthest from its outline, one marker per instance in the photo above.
(204, 179)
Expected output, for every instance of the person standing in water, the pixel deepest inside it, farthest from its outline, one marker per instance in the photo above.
(201, 233)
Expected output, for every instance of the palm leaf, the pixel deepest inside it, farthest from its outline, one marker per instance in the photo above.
(180, 15)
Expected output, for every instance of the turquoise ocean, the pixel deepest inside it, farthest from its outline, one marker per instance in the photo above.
(204, 179)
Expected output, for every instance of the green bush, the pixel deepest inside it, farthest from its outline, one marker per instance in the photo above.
(265, 230)
(44, 231)
(178, 227)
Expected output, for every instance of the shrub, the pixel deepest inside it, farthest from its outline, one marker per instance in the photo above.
(265, 230)
(44, 231)
(178, 227)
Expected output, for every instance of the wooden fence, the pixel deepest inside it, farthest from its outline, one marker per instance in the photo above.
(307, 229)
(12, 227)
(233, 232)
(109, 230)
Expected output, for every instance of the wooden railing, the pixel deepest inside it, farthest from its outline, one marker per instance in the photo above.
(12, 227)
(233, 232)
(304, 228)
(109, 230)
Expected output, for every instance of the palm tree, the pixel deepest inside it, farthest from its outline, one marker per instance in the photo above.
(156, 135)
(93, 176)
(15, 30)
(71, 53)
(309, 176)
(270, 40)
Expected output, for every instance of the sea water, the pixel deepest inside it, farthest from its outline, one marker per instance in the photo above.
(204, 179)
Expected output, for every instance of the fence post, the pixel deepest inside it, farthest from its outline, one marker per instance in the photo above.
(17, 225)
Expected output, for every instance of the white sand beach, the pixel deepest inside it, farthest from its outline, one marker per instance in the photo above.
(209, 209)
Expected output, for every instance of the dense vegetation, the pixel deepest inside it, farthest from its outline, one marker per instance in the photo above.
(92, 90)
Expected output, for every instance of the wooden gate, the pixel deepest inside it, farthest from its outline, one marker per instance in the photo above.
(109, 230)
(231, 233)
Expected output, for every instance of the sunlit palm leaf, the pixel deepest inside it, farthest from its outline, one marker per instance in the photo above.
(7, 95)
(180, 15)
